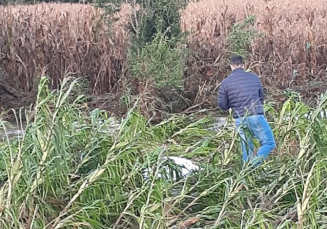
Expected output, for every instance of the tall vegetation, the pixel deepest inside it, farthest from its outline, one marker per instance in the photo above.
(276, 55)
(241, 36)
(80, 168)
(81, 45)
(62, 39)
(159, 60)
(156, 58)
(83, 169)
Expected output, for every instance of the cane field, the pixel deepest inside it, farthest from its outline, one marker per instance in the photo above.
(99, 107)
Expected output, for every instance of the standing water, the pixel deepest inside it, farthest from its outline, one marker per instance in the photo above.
(10, 133)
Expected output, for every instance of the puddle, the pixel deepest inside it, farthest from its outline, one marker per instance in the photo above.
(110, 127)
(10, 134)
(218, 124)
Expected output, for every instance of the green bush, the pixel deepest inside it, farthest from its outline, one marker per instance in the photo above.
(241, 36)
(160, 61)
(155, 35)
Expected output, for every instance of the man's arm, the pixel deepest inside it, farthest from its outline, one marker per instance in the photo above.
(261, 94)
(223, 99)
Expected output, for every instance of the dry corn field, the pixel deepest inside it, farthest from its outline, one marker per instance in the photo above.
(68, 38)
(291, 52)
(63, 38)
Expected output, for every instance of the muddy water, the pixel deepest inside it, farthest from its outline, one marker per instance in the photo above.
(17, 132)
(11, 133)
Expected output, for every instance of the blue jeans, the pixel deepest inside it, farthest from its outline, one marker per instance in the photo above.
(255, 126)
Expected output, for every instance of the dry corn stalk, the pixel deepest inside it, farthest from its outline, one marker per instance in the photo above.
(292, 48)
(65, 38)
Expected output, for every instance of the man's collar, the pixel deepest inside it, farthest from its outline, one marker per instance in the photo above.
(238, 69)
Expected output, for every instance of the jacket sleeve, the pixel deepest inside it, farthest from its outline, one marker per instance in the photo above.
(261, 94)
(223, 103)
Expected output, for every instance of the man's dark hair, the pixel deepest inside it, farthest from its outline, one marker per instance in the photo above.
(236, 61)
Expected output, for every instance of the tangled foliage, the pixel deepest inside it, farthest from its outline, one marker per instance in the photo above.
(241, 36)
(158, 59)
(74, 167)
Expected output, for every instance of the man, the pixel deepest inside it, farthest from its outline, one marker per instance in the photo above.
(242, 92)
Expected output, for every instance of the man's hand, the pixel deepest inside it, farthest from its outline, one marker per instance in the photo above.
(223, 102)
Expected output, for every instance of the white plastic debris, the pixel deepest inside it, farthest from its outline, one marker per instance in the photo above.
(183, 165)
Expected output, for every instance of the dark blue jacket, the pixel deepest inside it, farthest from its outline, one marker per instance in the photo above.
(241, 91)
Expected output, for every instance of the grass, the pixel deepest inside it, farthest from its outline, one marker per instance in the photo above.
(73, 169)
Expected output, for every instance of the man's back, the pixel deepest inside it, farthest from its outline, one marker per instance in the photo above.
(241, 91)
